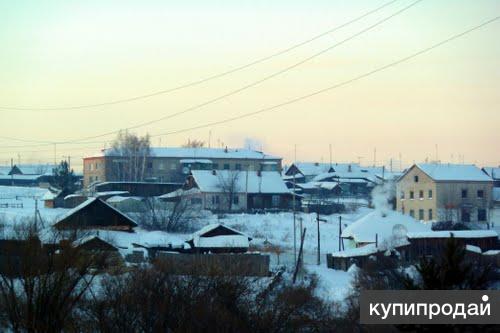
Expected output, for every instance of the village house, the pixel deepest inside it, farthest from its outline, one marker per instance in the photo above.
(218, 238)
(233, 190)
(95, 214)
(445, 192)
(174, 164)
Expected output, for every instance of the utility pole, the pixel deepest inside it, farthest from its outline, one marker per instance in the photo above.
(340, 233)
(55, 150)
(11, 173)
(297, 265)
(319, 242)
(209, 137)
(293, 199)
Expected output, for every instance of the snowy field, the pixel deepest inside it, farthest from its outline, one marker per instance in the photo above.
(275, 229)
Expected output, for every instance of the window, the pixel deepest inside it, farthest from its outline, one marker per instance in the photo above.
(481, 215)
(430, 214)
(96, 166)
(421, 194)
(430, 194)
(215, 200)
(236, 200)
(415, 178)
(275, 200)
(172, 166)
(420, 214)
(412, 213)
(149, 165)
(161, 165)
(237, 166)
(480, 193)
(402, 195)
(412, 195)
(215, 166)
(464, 193)
(226, 166)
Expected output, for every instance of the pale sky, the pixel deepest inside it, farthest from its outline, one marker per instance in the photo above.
(70, 53)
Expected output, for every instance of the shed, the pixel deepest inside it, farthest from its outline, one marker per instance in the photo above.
(218, 238)
(95, 214)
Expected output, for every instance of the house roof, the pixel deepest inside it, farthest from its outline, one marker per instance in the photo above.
(311, 168)
(456, 234)
(201, 153)
(35, 169)
(245, 182)
(353, 171)
(202, 237)
(130, 222)
(452, 172)
(383, 224)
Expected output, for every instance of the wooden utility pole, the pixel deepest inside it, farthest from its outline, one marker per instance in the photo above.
(340, 233)
(294, 214)
(299, 261)
(319, 241)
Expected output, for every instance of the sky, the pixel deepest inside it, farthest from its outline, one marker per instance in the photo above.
(444, 103)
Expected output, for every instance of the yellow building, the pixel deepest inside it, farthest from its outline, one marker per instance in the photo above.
(445, 192)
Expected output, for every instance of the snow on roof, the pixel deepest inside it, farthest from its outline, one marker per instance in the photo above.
(202, 161)
(238, 240)
(118, 198)
(369, 249)
(88, 202)
(49, 195)
(222, 241)
(382, 224)
(493, 172)
(202, 153)
(21, 177)
(492, 253)
(311, 168)
(473, 248)
(179, 192)
(113, 193)
(453, 172)
(86, 239)
(356, 172)
(316, 185)
(496, 194)
(456, 234)
(69, 196)
(245, 181)
(35, 169)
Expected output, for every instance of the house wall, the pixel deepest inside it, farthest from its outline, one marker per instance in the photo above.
(164, 169)
(446, 202)
(405, 204)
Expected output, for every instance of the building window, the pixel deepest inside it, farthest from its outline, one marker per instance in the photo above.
(464, 193)
(412, 213)
(430, 194)
(149, 165)
(161, 166)
(226, 166)
(172, 166)
(421, 194)
(481, 215)
(430, 214)
(215, 200)
(215, 166)
(420, 214)
(237, 166)
(96, 165)
(415, 178)
(402, 195)
(480, 193)
(412, 195)
(236, 200)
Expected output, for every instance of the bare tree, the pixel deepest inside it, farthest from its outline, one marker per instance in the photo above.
(132, 152)
(229, 185)
(41, 286)
(194, 144)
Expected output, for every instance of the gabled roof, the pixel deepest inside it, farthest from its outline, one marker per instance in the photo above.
(245, 182)
(456, 234)
(34, 169)
(201, 153)
(452, 172)
(218, 235)
(72, 219)
(311, 168)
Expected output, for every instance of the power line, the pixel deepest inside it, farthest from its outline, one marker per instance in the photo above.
(250, 85)
(317, 92)
(379, 69)
(197, 82)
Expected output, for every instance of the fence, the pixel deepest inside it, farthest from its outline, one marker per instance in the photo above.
(214, 264)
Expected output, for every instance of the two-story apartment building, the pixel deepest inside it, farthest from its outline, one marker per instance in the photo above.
(172, 164)
(445, 192)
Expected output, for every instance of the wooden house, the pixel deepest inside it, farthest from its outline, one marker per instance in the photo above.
(218, 238)
(95, 214)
